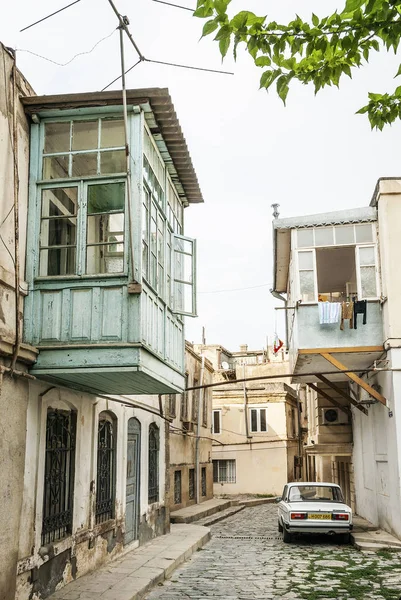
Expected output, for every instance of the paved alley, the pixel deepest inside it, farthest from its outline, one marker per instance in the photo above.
(247, 560)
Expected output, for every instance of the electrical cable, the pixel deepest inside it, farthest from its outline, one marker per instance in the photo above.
(74, 57)
(169, 64)
(48, 16)
(119, 77)
(175, 5)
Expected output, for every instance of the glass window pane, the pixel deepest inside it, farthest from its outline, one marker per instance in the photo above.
(305, 260)
(363, 233)
(304, 237)
(344, 234)
(59, 202)
(106, 228)
(367, 256)
(84, 135)
(307, 285)
(103, 259)
(263, 422)
(57, 261)
(323, 236)
(254, 420)
(57, 137)
(55, 167)
(58, 232)
(145, 261)
(112, 133)
(84, 164)
(113, 162)
(368, 282)
(106, 197)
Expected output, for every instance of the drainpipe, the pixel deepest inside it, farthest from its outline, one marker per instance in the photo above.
(16, 222)
(198, 432)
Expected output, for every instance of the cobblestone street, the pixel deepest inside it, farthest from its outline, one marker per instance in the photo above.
(247, 560)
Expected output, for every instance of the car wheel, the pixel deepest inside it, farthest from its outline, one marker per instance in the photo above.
(287, 537)
(343, 538)
(280, 527)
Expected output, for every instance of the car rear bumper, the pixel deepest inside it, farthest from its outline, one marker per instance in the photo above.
(318, 528)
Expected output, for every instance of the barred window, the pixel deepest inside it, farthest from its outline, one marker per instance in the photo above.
(195, 401)
(191, 484)
(224, 471)
(106, 470)
(203, 481)
(59, 475)
(177, 487)
(205, 407)
(172, 405)
(154, 446)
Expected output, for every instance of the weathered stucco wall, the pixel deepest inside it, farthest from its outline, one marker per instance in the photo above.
(183, 445)
(43, 569)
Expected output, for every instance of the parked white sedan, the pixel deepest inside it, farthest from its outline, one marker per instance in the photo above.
(308, 507)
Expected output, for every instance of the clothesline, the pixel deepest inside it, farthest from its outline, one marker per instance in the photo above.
(332, 312)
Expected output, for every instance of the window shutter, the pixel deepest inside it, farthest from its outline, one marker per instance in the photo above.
(184, 276)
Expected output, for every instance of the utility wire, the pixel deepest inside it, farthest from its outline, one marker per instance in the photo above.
(48, 16)
(160, 62)
(175, 5)
(74, 57)
(119, 77)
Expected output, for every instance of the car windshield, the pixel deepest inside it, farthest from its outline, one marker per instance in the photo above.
(314, 493)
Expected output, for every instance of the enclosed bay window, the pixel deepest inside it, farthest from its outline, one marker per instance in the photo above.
(82, 227)
(337, 263)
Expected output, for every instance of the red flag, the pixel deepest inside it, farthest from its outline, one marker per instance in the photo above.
(277, 344)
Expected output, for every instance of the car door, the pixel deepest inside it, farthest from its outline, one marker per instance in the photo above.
(281, 505)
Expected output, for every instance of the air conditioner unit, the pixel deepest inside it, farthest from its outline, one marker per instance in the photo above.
(334, 416)
(187, 426)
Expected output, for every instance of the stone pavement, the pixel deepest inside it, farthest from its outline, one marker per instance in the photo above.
(133, 574)
(192, 513)
(247, 560)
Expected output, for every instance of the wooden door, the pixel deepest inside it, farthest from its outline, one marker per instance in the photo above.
(133, 481)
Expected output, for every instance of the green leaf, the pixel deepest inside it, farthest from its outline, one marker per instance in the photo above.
(375, 97)
(223, 33)
(352, 5)
(362, 110)
(240, 20)
(209, 27)
(398, 72)
(315, 20)
(224, 45)
(263, 61)
(221, 6)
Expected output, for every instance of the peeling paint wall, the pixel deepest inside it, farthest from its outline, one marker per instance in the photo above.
(44, 569)
(13, 399)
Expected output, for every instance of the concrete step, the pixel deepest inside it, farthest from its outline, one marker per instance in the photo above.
(375, 546)
(257, 501)
(223, 514)
(195, 512)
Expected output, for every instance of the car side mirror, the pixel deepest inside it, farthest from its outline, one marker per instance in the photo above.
(278, 499)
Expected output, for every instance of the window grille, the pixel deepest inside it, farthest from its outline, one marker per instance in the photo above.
(203, 481)
(177, 487)
(224, 471)
(59, 475)
(205, 407)
(184, 401)
(105, 480)
(172, 405)
(153, 482)
(191, 481)
(195, 401)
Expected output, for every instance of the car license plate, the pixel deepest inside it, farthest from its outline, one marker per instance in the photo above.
(323, 516)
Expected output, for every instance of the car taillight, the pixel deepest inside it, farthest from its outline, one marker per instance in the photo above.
(295, 515)
(340, 516)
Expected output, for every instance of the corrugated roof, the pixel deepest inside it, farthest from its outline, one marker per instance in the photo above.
(165, 127)
(338, 217)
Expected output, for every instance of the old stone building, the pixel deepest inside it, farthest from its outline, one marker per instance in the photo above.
(256, 433)
(191, 469)
(91, 325)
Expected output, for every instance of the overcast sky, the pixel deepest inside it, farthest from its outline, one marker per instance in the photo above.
(249, 151)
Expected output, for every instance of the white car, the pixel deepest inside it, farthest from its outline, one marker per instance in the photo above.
(307, 507)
